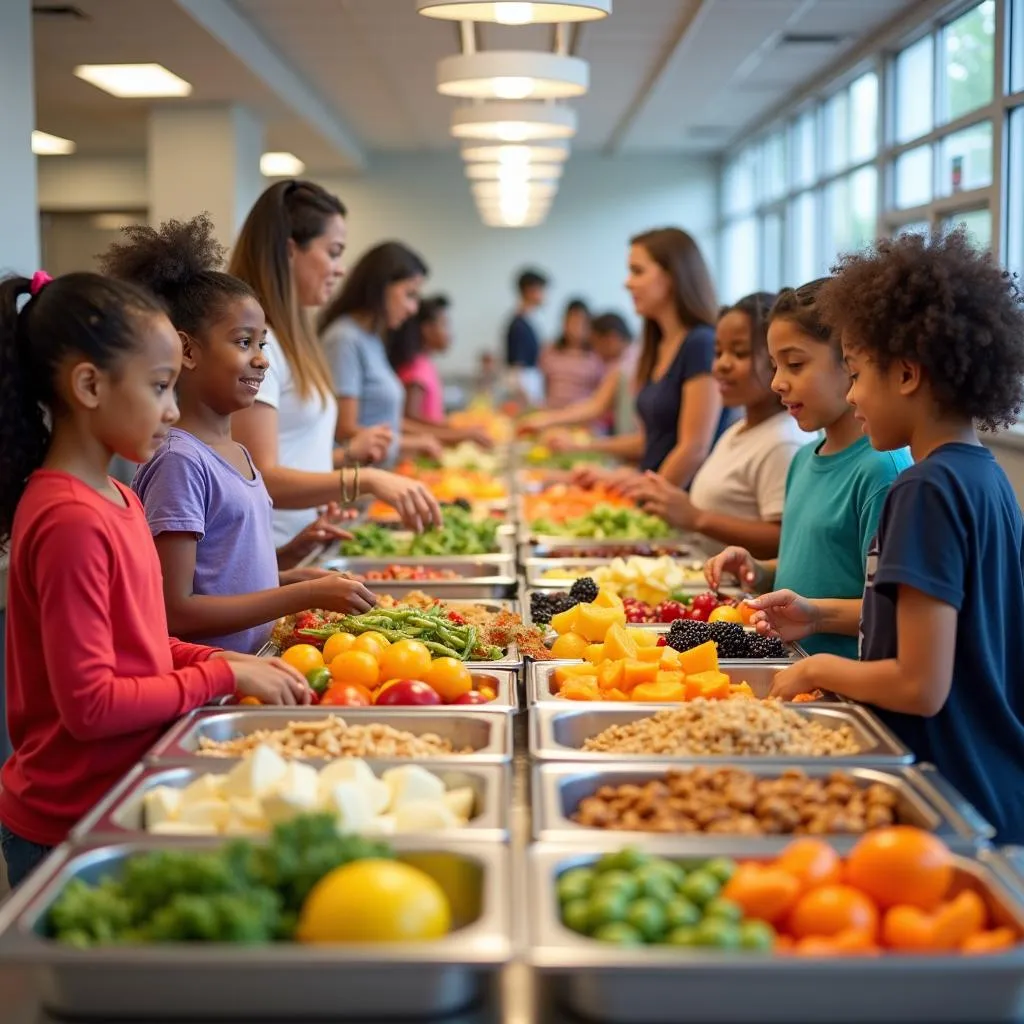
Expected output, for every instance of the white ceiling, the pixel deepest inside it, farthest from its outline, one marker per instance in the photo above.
(667, 76)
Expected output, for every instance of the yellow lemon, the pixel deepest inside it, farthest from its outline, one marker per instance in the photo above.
(375, 901)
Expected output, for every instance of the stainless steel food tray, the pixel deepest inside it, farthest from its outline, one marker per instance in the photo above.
(288, 981)
(758, 675)
(558, 789)
(489, 733)
(691, 548)
(548, 540)
(121, 813)
(487, 576)
(535, 568)
(661, 985)
(506, 541)
(557, 734)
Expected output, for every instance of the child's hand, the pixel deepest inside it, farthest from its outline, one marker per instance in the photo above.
(337, 592)
(789, 615)
(323, 530)
(805, 676)
(370, 445)
(733, 561)
(269, 680)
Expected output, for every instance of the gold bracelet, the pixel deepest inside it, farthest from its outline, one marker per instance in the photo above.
(355, 486)
(345, 499)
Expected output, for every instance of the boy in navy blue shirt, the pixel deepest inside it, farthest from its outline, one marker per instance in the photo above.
(933, 336)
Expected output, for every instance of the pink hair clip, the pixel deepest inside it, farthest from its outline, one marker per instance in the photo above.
(39, 281)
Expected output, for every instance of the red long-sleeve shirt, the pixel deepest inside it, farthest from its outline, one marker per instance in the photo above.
(92, 678)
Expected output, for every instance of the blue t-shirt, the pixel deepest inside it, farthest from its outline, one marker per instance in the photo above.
(361, 370)
(522, 346)
(830, 517)
(951, 528)
(659, 402)
(187, 487)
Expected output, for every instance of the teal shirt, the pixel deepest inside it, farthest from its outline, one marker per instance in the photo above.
(830, 518)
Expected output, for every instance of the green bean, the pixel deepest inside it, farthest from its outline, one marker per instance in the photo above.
(440, 649)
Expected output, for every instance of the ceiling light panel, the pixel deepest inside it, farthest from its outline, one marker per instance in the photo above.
(504, 12)
(44, 144)
(281, 165)
(134, 81)
(513, 75)
(513, 122)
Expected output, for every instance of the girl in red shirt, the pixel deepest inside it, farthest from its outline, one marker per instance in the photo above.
(87, 371)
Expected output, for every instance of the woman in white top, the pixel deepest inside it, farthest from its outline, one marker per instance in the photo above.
(290, 253)
(737, 494)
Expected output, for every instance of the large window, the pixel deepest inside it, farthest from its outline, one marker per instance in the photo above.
(927, 135)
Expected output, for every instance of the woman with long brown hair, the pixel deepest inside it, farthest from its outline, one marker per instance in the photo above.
(678, 403)
(290, 253)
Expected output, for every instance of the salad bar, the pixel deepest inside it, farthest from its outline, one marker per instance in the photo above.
(543, 780)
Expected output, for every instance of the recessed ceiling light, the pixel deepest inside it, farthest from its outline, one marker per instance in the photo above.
(512, 75)
(281, 165)
(45, 144)
(504, 12)
(547, 152)
(513, 122)
(133, 81)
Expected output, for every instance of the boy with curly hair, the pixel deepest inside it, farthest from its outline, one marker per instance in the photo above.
(933, 335)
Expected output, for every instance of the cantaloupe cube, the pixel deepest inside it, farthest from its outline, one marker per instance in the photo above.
(565, 622)
(636, 672)
(711, 685)
(594, 622)
(564, 673)
(594, 654)
(700, 659)
(670, 678)
(614, 694)
(649, 654)
(581, 688)
(669, 657)
(619, 644)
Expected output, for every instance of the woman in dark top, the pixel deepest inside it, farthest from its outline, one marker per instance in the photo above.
(678, 403)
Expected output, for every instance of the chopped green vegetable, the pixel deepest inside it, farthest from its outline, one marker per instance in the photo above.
(240, 894)
(605, 521)
(461, 534)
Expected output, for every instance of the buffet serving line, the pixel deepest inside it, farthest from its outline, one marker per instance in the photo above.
(618, 827)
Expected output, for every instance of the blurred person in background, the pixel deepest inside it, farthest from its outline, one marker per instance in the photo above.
(290, 252)
(410, 349)
(522, 339)
(572, 372)
(379, 294)
(611, 407)
(678, 403)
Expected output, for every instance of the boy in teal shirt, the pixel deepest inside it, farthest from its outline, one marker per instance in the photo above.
(835, 488)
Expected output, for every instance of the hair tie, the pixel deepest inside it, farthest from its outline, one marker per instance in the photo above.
(40, 279)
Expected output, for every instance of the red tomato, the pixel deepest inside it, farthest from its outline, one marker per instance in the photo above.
(348, 694)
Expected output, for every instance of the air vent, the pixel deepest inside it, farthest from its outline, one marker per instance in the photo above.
(810, 39)
(59, 11)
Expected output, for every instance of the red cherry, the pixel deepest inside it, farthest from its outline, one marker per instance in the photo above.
(662, 641)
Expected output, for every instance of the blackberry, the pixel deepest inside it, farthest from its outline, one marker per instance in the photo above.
(544, 604)
(584, 590)
(686, 633)
(767, 648)
(732, 640)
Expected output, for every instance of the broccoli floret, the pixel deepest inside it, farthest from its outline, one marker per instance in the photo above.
(242, 918)
(86, 916)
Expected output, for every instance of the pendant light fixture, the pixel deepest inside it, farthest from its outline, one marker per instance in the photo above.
(513, 122)
(504, 12)
(511, 155)
(520, 190)
(499, 172)
(512, 75)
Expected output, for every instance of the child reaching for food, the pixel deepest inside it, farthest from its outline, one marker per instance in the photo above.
(834, 489)
(738, 494)
(933, 334)
(87, 371)
(205, 501)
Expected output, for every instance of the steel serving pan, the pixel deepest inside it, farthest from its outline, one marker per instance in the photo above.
(557, 733)
(558, 789)
(489, 733)
(288, 981)
(661, 985)
(121, 813)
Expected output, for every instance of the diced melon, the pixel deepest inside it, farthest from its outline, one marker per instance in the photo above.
(565, 622)
(700, 659)
(609, 674)
(636, 672)
(669, 657)
(564, 673)
(712, 685)
(618, 643)
(644, 637)
(652, 655)
(670, 678)
(581, 688)
(594, 622)
(594, 654)
(615, 695)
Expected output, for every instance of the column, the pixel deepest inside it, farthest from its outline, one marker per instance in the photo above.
(19, 208)
(204, 158)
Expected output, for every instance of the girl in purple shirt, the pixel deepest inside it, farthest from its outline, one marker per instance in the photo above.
(205, 501)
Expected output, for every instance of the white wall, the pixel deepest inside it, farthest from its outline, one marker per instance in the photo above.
(92, 184)
(425, 201)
